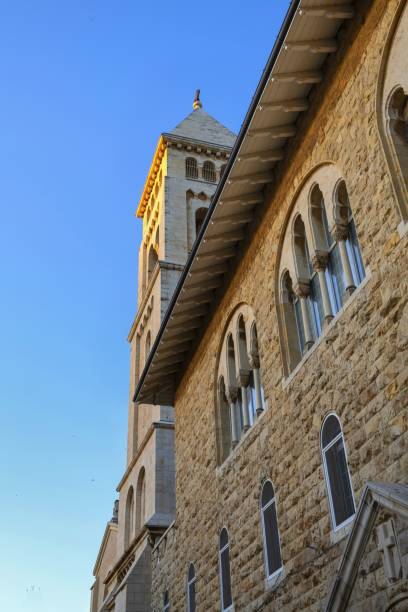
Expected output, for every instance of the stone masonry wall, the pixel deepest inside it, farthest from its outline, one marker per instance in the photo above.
(359, 369)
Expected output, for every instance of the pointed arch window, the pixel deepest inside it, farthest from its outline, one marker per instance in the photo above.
(141, 499)
(200, 214)
(225, 571)
(191, 588)
(271, 541)
(166, 602)
(129, 517)
(191, 168)
(209, 174)
(339, 489)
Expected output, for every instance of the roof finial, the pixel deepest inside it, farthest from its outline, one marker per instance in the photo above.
(197, 102)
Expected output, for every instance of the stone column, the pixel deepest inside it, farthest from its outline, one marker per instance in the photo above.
(302, 291)
(340, 234)
(242, 380)
(255, 365)
(319, 261)
(231, 397)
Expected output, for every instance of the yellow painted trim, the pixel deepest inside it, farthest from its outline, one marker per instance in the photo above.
(151, 177)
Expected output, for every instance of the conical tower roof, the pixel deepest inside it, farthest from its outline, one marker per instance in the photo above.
(199, 125)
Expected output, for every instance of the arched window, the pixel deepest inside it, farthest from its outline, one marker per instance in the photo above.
(309, 281)
(320, 268)
(191, 588)
(209, 172)
(166, 602)
(293, 326)
(352, 244)
(392, 106)
(199, 218)
(222, 169)
(225, 572)
(240, 397)
(151, 262)
(140, 499)
(339, 490)
(271, 541)
(223, 424)
(129, 517)
(191, 168)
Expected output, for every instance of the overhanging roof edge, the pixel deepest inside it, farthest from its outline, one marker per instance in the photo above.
(245, 125)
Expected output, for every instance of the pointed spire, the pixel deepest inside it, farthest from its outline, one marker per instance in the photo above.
(197, 102)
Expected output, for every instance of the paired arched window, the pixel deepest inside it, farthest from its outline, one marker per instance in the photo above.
(393, 108)
(129, 517)
(209, 174)
(240, 395)
(271, 541)
(191, 588)
(225, 571)
(166, 602)
(191, 168)
(321, 263)
(339, 490)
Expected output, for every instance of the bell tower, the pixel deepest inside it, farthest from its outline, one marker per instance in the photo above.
(186, 167)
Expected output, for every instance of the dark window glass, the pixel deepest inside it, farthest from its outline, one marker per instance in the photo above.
(191, 597)
(331, 429)
(273, 554)
(223, 538)
(336, 282)
(166, 602)
(339, 482)
(267, 493)
(299, 325)
(226, 578)
(353, 250)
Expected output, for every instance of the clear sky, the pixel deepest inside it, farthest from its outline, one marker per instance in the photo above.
(86, 88)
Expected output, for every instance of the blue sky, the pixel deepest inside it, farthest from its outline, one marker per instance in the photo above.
(87, 86)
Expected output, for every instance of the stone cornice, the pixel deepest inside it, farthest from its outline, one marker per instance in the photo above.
(153, 426)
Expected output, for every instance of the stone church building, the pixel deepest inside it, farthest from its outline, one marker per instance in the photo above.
(267, 464)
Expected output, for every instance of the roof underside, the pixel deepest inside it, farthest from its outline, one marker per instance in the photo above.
(307, 37)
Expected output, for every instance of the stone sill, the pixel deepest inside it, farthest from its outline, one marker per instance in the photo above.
(272, 583)
(220, 469)
(403, 229)
(336, 535)
(286, 381)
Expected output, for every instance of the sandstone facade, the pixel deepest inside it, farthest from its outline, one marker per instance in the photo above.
(358, 368)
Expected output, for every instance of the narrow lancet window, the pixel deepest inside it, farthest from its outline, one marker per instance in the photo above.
(225, 572)
(272, 551)
(191, 589)
(340, 493)
(209, 172)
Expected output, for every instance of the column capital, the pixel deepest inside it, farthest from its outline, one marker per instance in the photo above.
(339, 232)
(253, 359)
(231, 394)
(301, 289)
(320, 260)
(243, 378)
